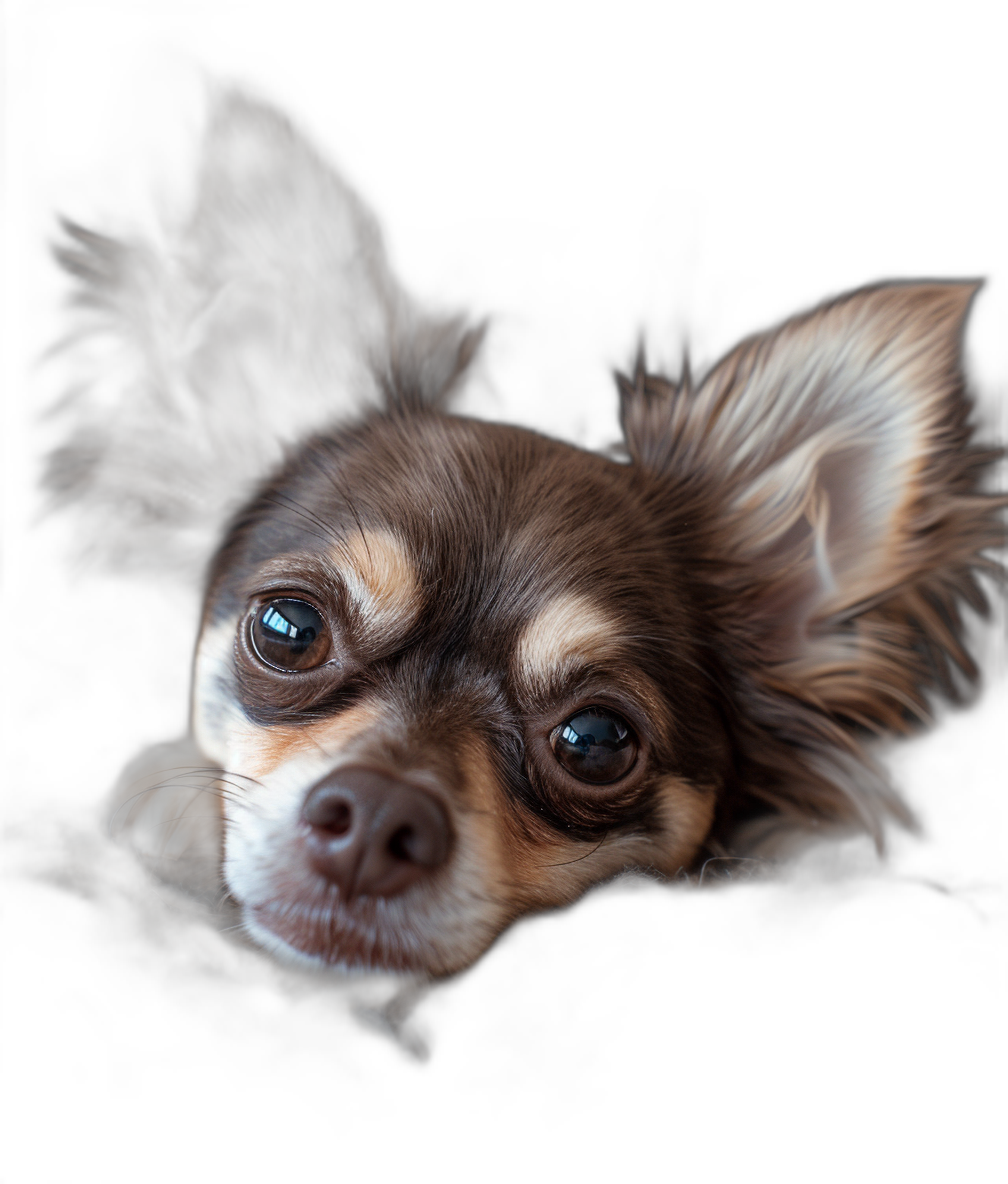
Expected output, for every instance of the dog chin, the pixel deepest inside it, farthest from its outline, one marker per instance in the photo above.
(317, 929)
(326, 938)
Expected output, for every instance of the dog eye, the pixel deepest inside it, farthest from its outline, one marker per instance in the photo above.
(595, 745)
(290, 635)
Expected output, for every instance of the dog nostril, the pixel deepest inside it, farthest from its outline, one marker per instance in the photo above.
(330, 813)
(424, 845)
(403, 844)
(338, 821)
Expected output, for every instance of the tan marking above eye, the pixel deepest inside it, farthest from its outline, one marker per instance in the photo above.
(380, 579)
(570, 626)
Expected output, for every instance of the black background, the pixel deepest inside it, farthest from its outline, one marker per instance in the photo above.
(595, 191)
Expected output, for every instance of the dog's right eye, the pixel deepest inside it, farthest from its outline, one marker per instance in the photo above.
(596, 745)
(290, 635)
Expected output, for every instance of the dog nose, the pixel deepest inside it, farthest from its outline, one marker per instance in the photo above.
(373, 834)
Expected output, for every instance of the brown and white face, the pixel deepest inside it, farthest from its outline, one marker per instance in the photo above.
(454, 672)
(453, 678)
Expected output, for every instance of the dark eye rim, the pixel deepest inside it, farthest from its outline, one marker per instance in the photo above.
(252, 654)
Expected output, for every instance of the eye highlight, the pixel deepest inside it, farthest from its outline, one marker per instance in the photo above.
(290, 635)
(595, 745)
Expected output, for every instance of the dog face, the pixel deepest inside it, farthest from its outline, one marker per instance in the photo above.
(453, 671)
(502, 699)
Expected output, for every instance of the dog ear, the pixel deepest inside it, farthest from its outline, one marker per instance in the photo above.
(267, 313)
(834, 504)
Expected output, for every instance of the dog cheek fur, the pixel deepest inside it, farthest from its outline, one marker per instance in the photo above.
(557, 872)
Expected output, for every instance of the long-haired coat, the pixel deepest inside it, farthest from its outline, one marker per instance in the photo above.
(450, 671)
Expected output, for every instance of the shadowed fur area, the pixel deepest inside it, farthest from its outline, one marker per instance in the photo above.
(555, 665)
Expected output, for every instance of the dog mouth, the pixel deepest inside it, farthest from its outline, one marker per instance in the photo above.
(367, 862)
(326, 930)
(370, 868)
(435, 927)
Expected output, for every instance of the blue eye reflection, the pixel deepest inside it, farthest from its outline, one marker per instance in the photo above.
(278, 623)
(290, 635)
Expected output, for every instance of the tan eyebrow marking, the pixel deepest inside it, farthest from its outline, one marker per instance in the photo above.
(380, 579)
(570, 626)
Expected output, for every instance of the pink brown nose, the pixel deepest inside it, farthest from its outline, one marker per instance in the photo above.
(372, 834)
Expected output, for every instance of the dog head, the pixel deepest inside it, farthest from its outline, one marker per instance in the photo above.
(456, 671)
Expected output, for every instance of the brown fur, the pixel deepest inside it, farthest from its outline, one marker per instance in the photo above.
(776, 577)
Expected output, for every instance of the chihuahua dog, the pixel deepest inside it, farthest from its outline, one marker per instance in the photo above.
(448, 671)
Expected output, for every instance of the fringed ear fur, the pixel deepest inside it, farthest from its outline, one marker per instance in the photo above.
(839, 523)
(266, 314)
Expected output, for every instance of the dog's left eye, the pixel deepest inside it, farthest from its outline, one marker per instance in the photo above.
(595, 745)
(290, 635)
